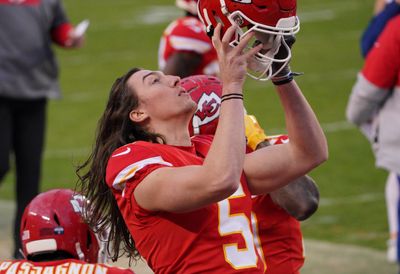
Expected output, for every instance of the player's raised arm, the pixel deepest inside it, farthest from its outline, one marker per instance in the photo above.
(219, 176)
(272, 167)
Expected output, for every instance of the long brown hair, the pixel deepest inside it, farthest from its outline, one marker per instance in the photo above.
(114, 130)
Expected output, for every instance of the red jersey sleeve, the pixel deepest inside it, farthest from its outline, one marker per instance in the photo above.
(60, 33)
(382, 65)
(130, 164)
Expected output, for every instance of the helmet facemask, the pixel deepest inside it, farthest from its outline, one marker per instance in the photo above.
(260, 66)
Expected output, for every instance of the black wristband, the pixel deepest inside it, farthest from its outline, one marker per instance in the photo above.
(230, 96)
(286, 79)
(283, 81)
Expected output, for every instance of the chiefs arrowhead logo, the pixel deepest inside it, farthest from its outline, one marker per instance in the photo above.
(207, 110)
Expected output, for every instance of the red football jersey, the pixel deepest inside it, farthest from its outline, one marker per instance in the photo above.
(279, 235)
(69, 266)
(187, 34)
(278, 139)
(382, 65)
(214, 239)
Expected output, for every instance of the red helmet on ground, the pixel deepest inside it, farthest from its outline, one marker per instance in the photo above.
(53, 222)
(206, 91)
(271, 20)
(187, 5)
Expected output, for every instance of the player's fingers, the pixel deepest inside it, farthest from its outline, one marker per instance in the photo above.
(252, 51)
(216, 38)
(244, 41)
(227, 38)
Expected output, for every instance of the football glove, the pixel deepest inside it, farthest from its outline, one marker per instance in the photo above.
(285, 75)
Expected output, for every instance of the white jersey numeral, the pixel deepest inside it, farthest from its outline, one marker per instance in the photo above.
(229, 224)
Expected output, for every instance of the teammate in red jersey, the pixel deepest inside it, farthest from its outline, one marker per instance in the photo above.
(185, 49)
(55, 239)
(275, 221)
(186, 209)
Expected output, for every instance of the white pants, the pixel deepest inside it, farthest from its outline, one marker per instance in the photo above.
(393, 208)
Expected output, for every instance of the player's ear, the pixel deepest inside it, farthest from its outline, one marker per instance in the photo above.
(138, 116)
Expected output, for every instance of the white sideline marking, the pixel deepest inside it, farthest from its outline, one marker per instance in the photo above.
(159, 14)
(154, 15)
(354, 199)
(337, 126)
(314, 16)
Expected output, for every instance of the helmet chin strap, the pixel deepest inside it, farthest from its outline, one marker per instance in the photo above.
(102, 239)
(223, 7)
(81, 256)
(196, 125)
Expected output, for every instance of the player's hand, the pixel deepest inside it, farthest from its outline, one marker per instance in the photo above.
(254, 133)
(232, 60)
(284, 74)
(75, 41)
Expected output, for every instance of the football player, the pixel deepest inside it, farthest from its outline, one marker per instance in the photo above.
(384, 11)
(276, 215)
(373, 104)
(55, 239)
(185, 49)
(186, 210)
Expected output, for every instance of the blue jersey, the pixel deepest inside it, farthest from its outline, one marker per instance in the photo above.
(376, 26)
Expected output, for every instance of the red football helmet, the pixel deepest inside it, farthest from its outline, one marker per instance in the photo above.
(187, 5)
(53, 222)
(206, 91)
(271, 20)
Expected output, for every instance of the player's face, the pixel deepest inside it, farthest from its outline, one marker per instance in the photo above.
(161, 96)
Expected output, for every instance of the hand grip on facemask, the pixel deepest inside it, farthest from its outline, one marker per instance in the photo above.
(282, 72)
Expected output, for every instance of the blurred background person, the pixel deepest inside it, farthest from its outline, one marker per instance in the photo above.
(383, 12)
(185, 49)
(28, 78)
(374, 106)
(54, 236)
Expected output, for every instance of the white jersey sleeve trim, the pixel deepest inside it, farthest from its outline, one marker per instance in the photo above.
(190, 44)
(130, 171)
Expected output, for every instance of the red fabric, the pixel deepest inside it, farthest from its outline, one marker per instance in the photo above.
(60, 34)
(179, 243)
(382, 65)
(23, 2)
(70, 266)
(278, 139)
(280, 237)
(193, 29)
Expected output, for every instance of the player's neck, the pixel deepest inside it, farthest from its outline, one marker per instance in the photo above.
(176, 134)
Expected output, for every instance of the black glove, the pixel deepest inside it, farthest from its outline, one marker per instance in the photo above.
(285, 75)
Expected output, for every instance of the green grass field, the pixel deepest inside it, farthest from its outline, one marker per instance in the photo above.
(125, 33)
